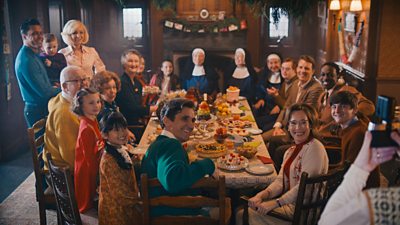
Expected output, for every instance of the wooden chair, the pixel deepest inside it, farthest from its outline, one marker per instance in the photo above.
(67, 208)
(314, 193)
(186, 202)
(46, 198)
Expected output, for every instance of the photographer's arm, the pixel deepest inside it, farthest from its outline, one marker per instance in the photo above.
(348, 205)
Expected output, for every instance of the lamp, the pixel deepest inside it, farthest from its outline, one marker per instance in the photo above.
(355, 5)
(334, 6)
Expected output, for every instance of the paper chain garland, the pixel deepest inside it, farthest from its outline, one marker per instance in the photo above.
(226, 25)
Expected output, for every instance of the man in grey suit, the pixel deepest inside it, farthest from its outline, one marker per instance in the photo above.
(308, 91)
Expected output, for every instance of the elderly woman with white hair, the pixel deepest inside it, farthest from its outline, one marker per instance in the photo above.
(242, 75)
(197, 74)
(75, 35)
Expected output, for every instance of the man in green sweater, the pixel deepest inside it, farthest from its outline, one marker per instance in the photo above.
(168, 161)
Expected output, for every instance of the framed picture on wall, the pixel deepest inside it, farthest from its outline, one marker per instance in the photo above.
(349, 21)
(322, 9)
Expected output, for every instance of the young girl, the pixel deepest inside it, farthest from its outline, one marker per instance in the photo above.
(118, 188)
(89, 146)
(165, 79)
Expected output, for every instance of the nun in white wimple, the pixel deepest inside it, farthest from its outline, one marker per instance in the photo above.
(270, 77)
(242, 75)
(197, 74)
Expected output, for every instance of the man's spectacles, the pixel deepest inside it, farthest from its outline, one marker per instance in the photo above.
(74, 81)
(301, 123)
(78, 80)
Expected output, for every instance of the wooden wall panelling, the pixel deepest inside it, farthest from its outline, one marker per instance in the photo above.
(388, 75)
(186, 8)
(372, 61)
(254, 38)
(13, 126)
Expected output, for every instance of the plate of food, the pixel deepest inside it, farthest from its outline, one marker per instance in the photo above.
(259, 169)
(233, 123)
(210, 150)
(232, 162)
(254, 131)
(238, 131)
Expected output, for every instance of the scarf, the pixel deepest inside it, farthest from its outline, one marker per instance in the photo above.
(288, 163)
(120, 155)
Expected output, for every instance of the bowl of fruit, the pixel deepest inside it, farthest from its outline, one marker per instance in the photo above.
(221, 134)
(223, 110)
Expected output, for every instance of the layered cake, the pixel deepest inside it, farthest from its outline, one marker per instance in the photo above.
(203, 113)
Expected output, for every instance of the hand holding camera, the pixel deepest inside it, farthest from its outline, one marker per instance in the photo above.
(384, 122)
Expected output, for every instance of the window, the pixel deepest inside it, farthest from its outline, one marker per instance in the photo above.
(133, 23)
(281, 28)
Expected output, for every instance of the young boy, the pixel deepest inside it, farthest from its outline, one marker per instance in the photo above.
(53, 61)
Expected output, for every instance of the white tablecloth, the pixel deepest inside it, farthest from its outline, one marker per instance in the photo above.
(241, 179)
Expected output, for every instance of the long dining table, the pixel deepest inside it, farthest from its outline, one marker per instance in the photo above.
(234, 179)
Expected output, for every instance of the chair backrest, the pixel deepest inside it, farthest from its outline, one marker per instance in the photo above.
(61, 179)
(36, 145)
(185, 202)
(314, 193)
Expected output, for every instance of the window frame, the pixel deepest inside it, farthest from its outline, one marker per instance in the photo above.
(138, 43)
(272, 41)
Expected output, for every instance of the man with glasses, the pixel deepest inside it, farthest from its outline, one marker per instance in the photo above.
(331, 84)
(62, 124)
(35, 86)
(168, 161)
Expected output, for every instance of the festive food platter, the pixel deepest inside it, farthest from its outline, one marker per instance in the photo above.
(238, 131)
(210, 150)
(232, 162)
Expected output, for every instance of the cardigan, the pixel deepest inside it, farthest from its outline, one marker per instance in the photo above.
(129, 100)
(168, 161)
(349, 205)
(62, 128)
(312, 159)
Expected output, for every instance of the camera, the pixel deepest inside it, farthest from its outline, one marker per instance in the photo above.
(384, 122)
